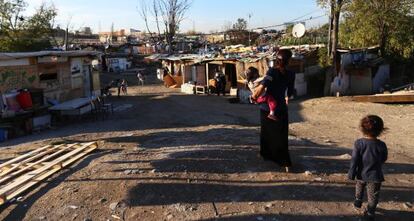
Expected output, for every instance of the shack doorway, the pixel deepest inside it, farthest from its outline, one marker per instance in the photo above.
(212, 70)
(87, 80)
(231, 74)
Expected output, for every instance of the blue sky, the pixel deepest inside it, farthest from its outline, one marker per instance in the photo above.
(204, 15)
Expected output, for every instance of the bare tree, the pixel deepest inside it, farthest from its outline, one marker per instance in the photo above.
(170, 12)
(173, 12)
(156, 14)
(143, 10)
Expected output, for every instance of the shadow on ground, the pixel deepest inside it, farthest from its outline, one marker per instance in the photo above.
(389, 214)
(160, 112)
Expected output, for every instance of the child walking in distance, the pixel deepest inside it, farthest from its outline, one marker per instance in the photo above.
(140, 78)
(254, 80)
(124, 87)
(368, 156)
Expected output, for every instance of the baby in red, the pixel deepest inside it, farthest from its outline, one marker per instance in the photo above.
(253, 81)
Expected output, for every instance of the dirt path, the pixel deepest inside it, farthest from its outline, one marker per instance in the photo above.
(167, 156)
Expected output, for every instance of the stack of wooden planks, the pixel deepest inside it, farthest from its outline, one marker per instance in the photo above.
(27, 170)
(402, 97)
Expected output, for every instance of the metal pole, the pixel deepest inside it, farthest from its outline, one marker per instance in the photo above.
(250, 40)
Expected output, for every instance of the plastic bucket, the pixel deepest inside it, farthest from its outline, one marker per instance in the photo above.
(25, 100)
(3, 135)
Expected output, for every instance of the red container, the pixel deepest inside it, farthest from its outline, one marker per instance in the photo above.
(25, 100)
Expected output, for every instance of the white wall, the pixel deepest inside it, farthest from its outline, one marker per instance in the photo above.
(76, 72)
(15, 62)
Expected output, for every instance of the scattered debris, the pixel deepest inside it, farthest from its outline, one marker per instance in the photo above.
(345, 157)
(192, 209)
(113, 206)
(115, 217)
(328, 141)
(127, 172)
(308, 173)
(73, 207)
(215, 209)
(408, 205)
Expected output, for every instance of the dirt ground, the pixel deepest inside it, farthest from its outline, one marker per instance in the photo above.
(168, 156)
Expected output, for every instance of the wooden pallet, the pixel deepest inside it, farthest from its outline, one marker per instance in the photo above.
(385, 98)
(27, 170)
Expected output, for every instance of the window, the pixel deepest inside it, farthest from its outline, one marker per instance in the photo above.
(48, 76)
(48, 72)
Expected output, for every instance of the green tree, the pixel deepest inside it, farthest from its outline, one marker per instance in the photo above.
(386, 23)
(25, 33)
(335, 8)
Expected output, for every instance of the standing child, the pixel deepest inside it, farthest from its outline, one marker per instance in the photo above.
(368, 156)
(254, 80)
(124, 87)
(140, 77)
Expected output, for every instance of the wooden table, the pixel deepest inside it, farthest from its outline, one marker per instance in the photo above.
(75, 107)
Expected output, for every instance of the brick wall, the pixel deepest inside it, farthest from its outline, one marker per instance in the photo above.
(17, 77)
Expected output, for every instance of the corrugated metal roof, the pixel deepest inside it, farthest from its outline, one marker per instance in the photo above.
(18, 55)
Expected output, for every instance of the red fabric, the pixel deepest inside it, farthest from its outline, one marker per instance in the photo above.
(25, 100)
(270, 100)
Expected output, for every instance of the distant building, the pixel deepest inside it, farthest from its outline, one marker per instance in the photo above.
(113, 37)
(117, 62)
(85, 31)
(215, 38)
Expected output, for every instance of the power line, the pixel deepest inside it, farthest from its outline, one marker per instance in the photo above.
(293, 21)
(303, 16)
(284, 23)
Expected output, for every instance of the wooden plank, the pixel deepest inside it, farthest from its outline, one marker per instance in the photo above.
(38, 174)
(386, 99)
(35, 164)
(77, 157)
(28, 185)
(37, 156)
(17, 159)
(51, 172)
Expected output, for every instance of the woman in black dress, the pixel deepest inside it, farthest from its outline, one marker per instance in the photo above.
(274, 133)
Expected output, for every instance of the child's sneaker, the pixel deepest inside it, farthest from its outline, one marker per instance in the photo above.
(369, 216)
(358, 203)
(272, 117)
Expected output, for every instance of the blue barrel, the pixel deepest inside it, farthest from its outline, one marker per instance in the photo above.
(3, 135)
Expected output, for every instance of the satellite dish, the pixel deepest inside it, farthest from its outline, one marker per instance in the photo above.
(298, 30)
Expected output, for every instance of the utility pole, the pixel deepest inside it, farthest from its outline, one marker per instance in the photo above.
(66, 38)
(250, 40)
(112, 34)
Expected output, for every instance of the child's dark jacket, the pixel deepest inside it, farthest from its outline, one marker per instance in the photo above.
(368, 157)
